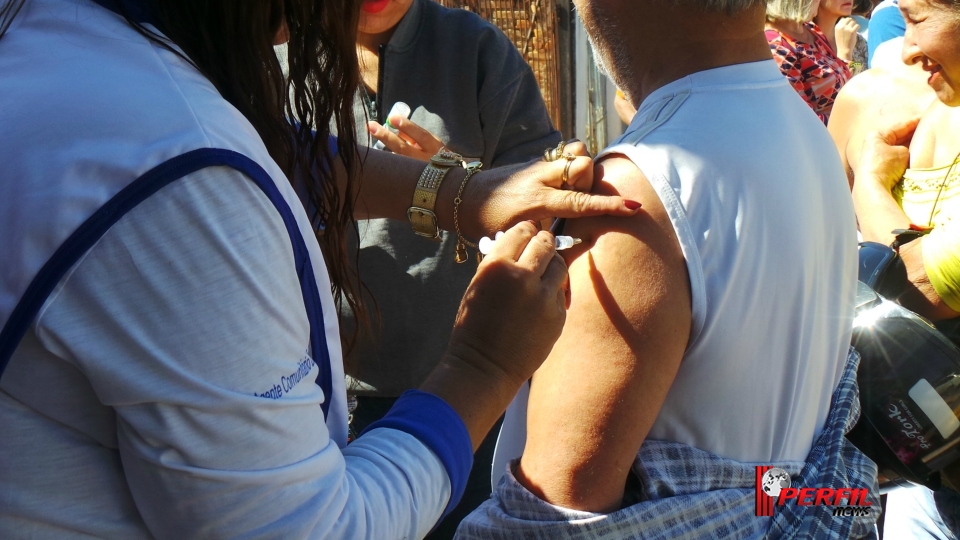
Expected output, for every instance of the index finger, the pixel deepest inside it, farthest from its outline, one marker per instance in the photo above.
(419, 135)
(538, 253)
(574, 204)
(390, 140)
(514, 241)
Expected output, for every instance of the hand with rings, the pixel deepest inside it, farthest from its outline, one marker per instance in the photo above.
(565, 178)
(553, 154)
(501, 197)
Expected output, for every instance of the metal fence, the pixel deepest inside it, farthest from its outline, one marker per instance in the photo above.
(536, 28)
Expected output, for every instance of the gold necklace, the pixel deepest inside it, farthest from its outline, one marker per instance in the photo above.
(943, 184)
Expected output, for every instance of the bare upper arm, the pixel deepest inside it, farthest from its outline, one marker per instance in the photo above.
(594, 400)
(843, 118)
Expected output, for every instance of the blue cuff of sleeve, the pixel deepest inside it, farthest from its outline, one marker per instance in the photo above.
(434, 423)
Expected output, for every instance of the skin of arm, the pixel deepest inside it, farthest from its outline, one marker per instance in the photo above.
(596, 397)
(883, 161)
(873, 99)
(843, 119)
(493, 200)
(495, 345)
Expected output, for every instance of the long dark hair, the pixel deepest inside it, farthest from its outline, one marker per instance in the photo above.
(231, 43)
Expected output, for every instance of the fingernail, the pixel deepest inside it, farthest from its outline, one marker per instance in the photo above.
(631, 205)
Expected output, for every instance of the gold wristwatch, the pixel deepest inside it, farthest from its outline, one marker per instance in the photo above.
(421, 215)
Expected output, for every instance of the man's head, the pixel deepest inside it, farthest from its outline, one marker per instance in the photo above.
(633, 37)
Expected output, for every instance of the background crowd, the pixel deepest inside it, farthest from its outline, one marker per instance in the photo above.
(132, 396)
(820, 46)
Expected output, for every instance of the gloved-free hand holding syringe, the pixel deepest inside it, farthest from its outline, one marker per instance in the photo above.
(561, 242)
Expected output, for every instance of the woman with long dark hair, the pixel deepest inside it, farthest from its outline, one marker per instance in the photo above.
(169, 336)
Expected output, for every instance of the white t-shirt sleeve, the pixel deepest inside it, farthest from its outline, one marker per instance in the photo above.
(188, 320)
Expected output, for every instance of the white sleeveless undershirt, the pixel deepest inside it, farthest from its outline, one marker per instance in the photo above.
(757, 196)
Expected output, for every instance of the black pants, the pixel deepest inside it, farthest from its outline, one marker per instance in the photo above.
(371, 409)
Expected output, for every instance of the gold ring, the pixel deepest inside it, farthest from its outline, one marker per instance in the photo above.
(566, 168)
(560, 146)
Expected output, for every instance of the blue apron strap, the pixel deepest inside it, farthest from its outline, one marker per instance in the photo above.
(128, 198)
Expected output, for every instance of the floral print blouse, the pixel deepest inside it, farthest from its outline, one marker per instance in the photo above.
(813, 69)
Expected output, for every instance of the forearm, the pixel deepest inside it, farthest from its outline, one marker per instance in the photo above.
(879, 214)
(386, 184)
(877, 211)
(476, 393)
(920, 296)
(387, 484)
(228, 439)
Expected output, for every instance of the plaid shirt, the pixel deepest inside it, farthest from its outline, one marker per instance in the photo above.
(690, 493)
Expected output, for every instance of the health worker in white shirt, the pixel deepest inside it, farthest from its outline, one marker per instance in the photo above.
(170, 354)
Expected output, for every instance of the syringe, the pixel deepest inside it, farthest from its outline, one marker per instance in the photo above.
(561, 242)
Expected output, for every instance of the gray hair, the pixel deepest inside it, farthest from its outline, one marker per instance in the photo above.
(791, 10)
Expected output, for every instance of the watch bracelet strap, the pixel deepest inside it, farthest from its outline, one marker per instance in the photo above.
(905, 236)
(421, 213)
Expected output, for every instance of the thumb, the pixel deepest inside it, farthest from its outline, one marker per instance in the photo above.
(572, 204)
(902, 153)
(900, 133)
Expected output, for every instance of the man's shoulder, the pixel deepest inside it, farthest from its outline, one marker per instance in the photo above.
(738, 118)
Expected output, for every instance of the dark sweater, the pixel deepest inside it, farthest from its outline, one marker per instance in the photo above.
(467, 84)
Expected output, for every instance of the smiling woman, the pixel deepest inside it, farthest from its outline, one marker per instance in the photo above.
(898, 188)
(933, 40)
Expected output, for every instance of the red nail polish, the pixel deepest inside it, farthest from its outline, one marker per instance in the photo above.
(631, 205)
